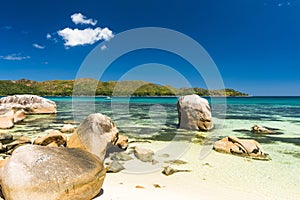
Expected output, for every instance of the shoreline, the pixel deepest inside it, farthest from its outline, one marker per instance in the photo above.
(217, 176)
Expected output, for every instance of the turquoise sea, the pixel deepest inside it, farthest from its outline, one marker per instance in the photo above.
(156, 118)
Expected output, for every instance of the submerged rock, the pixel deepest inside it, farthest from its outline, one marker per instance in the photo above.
(241, 147)
(194, 113)
(31, 104)
(261, 130)
(48, 173)
(143, 154)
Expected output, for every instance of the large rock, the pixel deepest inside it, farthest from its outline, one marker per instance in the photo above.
(95, 134)
(50, 173)
(194, 113)
(31, 104)
(241, 147)
(10, 116)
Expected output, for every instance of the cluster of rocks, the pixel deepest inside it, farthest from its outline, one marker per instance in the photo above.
(15, 108)
(116, 160)
(194, 113)
(54, 138)
(244, 147)
(57, 168)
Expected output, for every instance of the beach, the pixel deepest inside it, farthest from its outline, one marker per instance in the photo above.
(218, 176)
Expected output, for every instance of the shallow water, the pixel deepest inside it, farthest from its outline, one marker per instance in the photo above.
(156, 118)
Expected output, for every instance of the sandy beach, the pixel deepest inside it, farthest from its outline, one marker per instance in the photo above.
(218, 176)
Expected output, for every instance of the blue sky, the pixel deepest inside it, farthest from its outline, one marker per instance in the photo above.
(254, 43)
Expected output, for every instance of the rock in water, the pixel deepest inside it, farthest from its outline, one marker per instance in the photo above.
(241, 147)
(194, 113)
(5, 136)
(67, 128)
(260, 130)
(31, 104)
(50, 173)
(9, 116)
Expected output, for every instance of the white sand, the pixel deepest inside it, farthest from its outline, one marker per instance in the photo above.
(218, 176)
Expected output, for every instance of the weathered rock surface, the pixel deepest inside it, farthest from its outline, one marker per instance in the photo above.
(6, 136)
(19, 115)
(50, 173)
(67, 128)
(55, 138)
(194, 113)
(121, 156)
(169, 170)
(261, 130)
(8, 117)
(143, 154)
(115, 166)
(94, 135)
(241, 147)
(31, 104)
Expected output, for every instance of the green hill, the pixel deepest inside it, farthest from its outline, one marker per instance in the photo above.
(87, 86)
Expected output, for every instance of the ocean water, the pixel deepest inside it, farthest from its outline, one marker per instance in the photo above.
(156, 118)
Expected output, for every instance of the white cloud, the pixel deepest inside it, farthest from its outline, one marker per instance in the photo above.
(38, 46)
(79, 18)
(14, 57)
(75, 37)
(48, 36)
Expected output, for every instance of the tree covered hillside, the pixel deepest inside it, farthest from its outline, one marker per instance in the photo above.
(111, 88)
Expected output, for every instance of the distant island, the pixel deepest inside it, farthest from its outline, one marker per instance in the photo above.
(85, 86)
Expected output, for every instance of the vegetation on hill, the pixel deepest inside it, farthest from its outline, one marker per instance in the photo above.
(111, 88)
